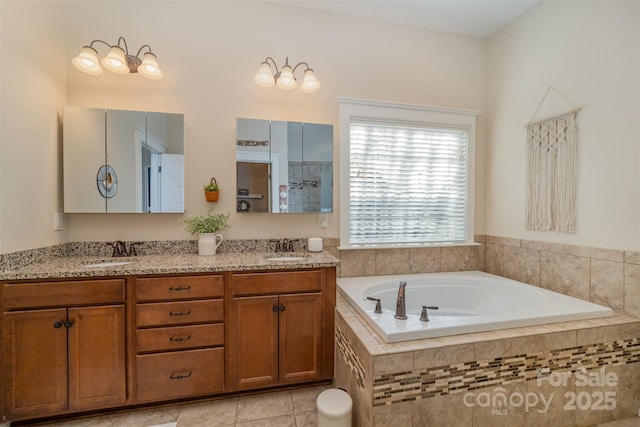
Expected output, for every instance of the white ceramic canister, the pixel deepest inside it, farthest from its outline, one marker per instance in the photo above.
(314, 244)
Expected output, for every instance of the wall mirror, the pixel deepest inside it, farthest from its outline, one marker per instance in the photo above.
(117, 161)
(284, 167)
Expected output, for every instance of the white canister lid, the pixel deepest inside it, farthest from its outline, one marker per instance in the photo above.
(334, 403)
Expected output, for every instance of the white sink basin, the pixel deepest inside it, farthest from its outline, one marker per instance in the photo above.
(286, 258)
(106, 264)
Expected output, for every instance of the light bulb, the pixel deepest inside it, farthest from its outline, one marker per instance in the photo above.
(87, 61)
(116, 61)
(264, 76)
(149, 67)
(286, 80)
(310, 83)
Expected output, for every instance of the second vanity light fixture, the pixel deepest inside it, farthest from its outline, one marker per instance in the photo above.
(118, 60)
(285, 79)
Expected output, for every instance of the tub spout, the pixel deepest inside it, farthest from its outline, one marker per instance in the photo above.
(401, 307)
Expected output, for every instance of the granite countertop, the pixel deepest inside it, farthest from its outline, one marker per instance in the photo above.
(72, 267)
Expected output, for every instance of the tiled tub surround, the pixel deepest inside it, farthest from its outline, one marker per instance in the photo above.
(603, 276)
(459, 380)
(466, 301)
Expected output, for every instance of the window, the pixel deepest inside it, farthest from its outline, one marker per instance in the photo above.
(409, 172)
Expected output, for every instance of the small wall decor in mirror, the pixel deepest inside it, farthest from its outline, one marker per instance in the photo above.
(117, 161)
(284, 167)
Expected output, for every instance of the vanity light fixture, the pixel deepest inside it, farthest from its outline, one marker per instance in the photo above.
(118, 60)
(285, 79)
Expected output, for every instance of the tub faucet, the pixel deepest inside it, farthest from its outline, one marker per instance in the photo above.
(401, 307)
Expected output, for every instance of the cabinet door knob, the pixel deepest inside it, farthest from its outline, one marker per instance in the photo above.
(282, 308)
(178, 339)
(275, 308)
(68, 324)
(58, 325)
(179, 313)
(180, 376)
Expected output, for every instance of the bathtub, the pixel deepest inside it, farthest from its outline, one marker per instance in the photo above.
(470, 301)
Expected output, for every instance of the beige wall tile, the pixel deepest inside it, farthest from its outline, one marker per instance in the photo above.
(500, 414)
(356, 263)
(589, 415)
(392, 261)
(543, 246)
(494, 259)
(398, 414)
(434, 357)
(521, 264)
(424, 260)
(478, 254)
(552, 341)
(442, 411)
(566, 274)
(392, 363)
(607, 283)
(632, 257)
(457, 258)
(632, 290)
(489, 350)
(554, 414)
(629, 390)
(597, 253)
(504, 241)
(599, 335)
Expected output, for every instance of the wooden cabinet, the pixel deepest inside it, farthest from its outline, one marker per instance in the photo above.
(278, 338)
(83, 345)
(63, 359)
(179, 337)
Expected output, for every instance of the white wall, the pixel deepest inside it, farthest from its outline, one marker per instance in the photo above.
(209, 52)
(33, 73)
(589, 52)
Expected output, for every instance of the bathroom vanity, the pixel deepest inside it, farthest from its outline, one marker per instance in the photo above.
(162, 328)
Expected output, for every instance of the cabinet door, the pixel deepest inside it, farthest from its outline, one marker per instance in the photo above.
(300, 338)
(254, 328)
(35, 362)
(96, 357)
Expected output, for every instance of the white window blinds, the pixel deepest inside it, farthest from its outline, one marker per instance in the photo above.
(408, 184)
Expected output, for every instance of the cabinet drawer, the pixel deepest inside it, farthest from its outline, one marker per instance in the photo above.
(172, 288)
(51, 294)
(272, 283)
(180, 374)
(179, 312)
(178, 337)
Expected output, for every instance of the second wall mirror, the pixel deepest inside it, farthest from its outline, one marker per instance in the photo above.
(284, 167)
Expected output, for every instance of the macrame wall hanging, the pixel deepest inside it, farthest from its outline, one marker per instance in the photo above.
(551, 171)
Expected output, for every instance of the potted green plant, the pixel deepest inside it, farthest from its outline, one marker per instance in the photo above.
(212, 191)
(206, 227)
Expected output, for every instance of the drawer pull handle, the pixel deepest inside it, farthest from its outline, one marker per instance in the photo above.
(180, 376)
(178, 339)
(179, 313)
(179, 288)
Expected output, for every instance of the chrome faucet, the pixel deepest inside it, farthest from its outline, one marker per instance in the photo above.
(401, 307)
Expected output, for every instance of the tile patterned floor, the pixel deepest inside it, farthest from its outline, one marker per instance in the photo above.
(295, 408)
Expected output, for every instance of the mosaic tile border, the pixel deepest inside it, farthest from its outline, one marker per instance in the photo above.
(425, 383)
(350, 357)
